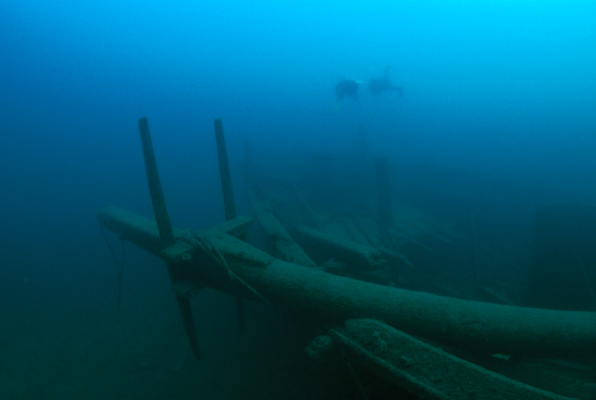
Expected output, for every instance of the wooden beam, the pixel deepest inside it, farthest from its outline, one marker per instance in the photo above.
(481, 327)
(425, 371)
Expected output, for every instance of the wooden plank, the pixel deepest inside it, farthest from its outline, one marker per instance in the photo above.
(282, 241)
(425, 371)
(355, 255)
(480, 327)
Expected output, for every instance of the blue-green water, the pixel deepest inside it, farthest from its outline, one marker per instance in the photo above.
(497, 91)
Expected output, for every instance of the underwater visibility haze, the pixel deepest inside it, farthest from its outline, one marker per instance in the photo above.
(467, 100)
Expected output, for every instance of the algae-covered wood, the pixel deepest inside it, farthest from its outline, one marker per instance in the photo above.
(466, 324)
(425, 371)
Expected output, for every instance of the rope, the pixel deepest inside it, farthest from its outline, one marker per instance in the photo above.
(219, 260)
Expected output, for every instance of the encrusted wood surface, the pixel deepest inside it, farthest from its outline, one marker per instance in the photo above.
(282, 241)
(481, 327)
(425, 371)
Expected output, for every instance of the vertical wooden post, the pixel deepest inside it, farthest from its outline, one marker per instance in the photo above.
(164, 225)
(228, 197)
(224, 171)
(166, 233)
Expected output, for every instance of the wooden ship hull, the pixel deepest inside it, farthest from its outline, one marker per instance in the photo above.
(345, 272)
